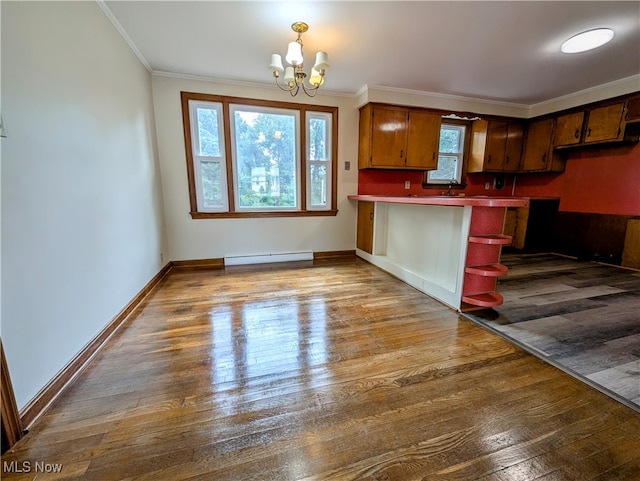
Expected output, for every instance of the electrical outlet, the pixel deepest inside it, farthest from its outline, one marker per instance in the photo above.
(347, 165)
(487, 186)
(407, 184)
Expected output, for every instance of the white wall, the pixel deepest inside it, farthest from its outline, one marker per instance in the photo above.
(82, 221)
(215, 238)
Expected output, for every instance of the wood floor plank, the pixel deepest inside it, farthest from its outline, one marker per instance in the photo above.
(582, 316)
(332, 371)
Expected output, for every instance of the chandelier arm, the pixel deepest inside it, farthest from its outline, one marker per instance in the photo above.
(285, 89)
(311, 91)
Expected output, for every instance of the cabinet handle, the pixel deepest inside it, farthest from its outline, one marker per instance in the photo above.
(370, 215)
(489, 159)
(506, 159)
(401, 153)
(577, 134)
(433, 157)
(544, 158)
(589, 133)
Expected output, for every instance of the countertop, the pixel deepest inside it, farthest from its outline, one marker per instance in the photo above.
(472, 200)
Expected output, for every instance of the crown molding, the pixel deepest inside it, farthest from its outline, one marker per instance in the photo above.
(123, 34)
(381, 93)
(606, 91)
(420, 98)
(240, 83)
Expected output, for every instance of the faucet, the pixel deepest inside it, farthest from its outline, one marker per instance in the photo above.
(449, 187)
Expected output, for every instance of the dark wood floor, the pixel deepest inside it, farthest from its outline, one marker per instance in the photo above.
(324, 372)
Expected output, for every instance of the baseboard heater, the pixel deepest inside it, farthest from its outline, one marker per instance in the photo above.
(268, 258)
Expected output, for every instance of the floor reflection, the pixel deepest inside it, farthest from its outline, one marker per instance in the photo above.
(267, 339)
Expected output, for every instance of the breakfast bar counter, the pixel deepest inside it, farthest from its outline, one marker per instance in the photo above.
(446, 246)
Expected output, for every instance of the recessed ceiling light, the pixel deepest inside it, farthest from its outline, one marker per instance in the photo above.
(587, 40)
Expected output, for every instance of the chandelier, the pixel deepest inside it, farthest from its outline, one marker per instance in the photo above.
(294, 75)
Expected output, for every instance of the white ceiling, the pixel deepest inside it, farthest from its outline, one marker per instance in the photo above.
(501, 51)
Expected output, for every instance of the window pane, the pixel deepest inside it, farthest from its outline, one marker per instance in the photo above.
(265, 159)
(318, 185)
(212, 184)
(446, 168)
(451, 154)
(208, 137)
(450, 140)
(318, 139)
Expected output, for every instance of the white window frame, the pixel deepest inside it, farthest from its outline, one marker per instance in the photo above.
(327, 162)
(198, 160)
(459, 156)
(234, 158)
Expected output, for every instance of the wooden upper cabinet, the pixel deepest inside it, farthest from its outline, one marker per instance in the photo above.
(537, 150)
(513, 150)
(398, 138)
(496, 146)
(423, 140)
(605, 123)
(633, 110)
(568, 129)
(389, 137)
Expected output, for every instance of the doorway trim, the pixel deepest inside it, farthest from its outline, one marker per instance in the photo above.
(11, 423)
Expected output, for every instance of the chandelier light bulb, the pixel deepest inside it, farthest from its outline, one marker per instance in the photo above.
(322, 61)
(316, 79)
(276, 64)
(294, 54)
(289, 76)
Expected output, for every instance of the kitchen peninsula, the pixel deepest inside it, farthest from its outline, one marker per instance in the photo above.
(446, 246)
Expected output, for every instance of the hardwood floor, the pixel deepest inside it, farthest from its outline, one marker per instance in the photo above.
(320, 372)
(583, 317)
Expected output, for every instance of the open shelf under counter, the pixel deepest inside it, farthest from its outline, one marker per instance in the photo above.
(487, 270)
(491, 239)
(448, 247)
(483, 300)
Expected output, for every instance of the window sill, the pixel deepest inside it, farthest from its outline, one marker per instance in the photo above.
(443, 186)
(235, 215)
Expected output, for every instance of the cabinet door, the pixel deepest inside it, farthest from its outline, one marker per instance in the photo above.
(364, 239)
(389, 137)
(538, 145)
(568, 129)
(633, 110)
(496, 146)
(604, 123)
(513, 149)
(423, 140)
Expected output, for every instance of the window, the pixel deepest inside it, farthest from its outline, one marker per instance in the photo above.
(208, 150)
(319, 160)
(248, 158)
(451, 155)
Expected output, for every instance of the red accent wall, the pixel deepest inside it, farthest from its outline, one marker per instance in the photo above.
(391, 182)
(600, 181)
(596, 180)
